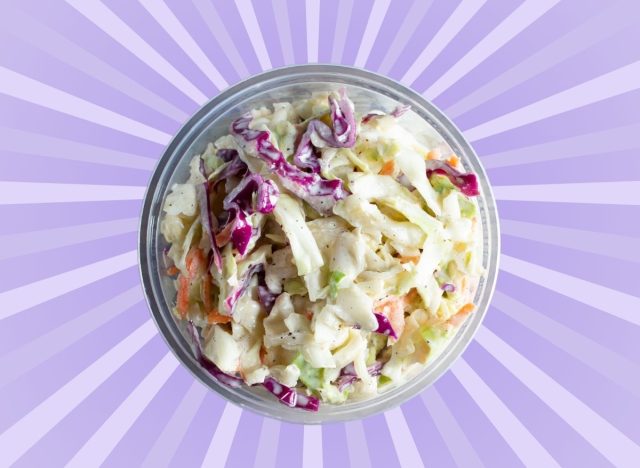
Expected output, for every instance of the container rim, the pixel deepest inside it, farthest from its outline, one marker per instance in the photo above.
(169, 329)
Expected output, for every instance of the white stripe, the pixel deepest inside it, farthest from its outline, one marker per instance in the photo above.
(525, 445)
(26, 193)
(313, 29)
(599, 193)
(174, 430)
(619, 304)
(96, 450)
(56, 340)
(608, 440)
(403, 442)
(165, 17)
(267, 451)
(603, 87)
(312, 447)
(248, 16)
(22, 87)
(25, 243)
(357, 444)
(24, 297)
(515, 23)
(122, 33)
(20, 437)
(451, 27)
(376, 17)
(342, 27)
(220, 445)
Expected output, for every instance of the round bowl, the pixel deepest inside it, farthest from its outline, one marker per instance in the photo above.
(368, 90)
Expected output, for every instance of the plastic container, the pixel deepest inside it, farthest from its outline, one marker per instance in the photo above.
(367, 90)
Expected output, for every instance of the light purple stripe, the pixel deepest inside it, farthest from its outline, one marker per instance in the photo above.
(168, 21)
(618, 304)
(96, 450)
(357, 443)
(574, 41)
(46, 346)
(248, 16)
(607, 141)
(312, 447)
(169, 439)
(28, 193)
(218, 29)
(403, 35)
(19, 141)
(451, 27)
(600, 243)
(267, 451)
(514, 24)
(122, 33)
(599, 193)
(607, 439)
(58, 46)
(374, 22)
(459, 446)
(613, 366)
(281, 13)
(403, 442)
(313, 29)
(614, 83)
(218, 450)
(24, 297)
(523, 443)
(342, 27)
(26, 243)
(27, 89)
(16, 440)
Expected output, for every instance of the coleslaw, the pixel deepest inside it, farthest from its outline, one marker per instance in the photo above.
(321, 254)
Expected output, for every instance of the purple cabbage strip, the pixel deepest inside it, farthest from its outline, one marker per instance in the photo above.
(241, 196)
(343, 134)
(209, 223)
(239, 290)
(288, 396)
(466, 183)
(384, 326)
(348, 375)
(320, 193)
(210, 367)
(448, 287)
(371, 115)
(400, 110)
(309, 403)
(227, 154)
(232, 168)
(265, 296)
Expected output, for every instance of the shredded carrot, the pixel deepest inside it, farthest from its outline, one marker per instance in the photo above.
(453, 161)
(388, 168)
(172, 270)
(224, 236)
(263, 354)
(393, 308)
(411, 295)
(432, 155)
(413, 259)
(459, 246)
(216, 317)
(182, 301)
(462, 314)
(308, 314)
(195, 261)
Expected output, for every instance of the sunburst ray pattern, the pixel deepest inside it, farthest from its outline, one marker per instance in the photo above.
(91, 91)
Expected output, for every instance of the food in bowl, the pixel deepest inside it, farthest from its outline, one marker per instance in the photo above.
(323, 254)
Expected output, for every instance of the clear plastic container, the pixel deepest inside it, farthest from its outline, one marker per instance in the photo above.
(367, 90)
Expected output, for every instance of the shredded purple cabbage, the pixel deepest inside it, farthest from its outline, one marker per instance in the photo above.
(241, 196)
(348, 375)
(466, 183)
(265, 296)
(285, 395)
(227, 154)
(235, 167)
(384, 326)
(209, 223)
(320, 193)
(210, 367)
(400, 110)
(245, 281)
(448, 287)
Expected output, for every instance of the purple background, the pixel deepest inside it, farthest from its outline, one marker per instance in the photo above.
(549, 94)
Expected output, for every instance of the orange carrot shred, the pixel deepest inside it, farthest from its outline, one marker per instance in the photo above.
(216, 317)
(172, 270)
(453, 161)
(182, 301)
(432, 155)
(388, 168)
